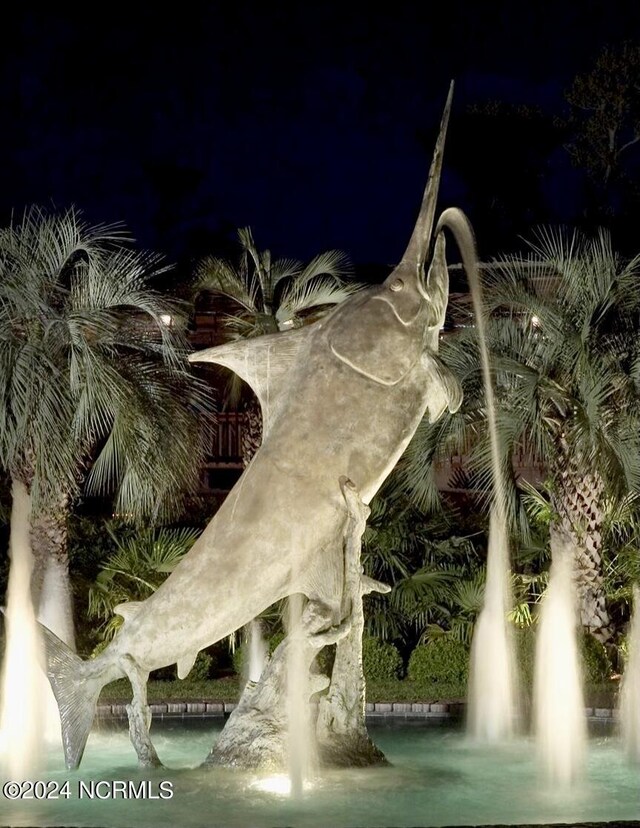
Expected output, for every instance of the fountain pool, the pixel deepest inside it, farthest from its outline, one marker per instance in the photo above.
(438, 777)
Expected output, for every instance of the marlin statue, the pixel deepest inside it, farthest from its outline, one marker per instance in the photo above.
(340, 397)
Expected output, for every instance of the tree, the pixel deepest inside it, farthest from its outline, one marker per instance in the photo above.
(502, 152)
(95, 388)
(605, 122)
(564, 348)
(269, 296)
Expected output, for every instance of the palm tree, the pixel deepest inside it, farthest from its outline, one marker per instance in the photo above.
(563, 338)
(96, 393)
(269, 296)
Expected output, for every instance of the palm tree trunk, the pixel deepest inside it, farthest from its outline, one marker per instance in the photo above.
(50, 584)
(577, 505)
(251, 438)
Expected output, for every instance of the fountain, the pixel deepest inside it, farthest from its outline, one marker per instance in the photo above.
(492, 686)
(492, 678)
(560, 724)
(300, 735)
(20, 724)
(257, 651)
(629, 694)
(342, 396)
(435, 777)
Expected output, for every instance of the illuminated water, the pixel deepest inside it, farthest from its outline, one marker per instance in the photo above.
(492, 674)
(257, 651)
(492, 681)
(557, 691)
(22, 681)
(438, 778)
(300, 742)
(630, 693)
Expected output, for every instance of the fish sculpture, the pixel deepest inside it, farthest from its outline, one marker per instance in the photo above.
(340, 397)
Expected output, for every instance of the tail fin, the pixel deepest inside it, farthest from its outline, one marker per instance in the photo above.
(76, 694)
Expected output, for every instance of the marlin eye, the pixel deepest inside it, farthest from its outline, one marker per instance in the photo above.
(398, 284)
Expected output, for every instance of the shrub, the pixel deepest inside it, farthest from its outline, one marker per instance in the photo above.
(380, 660)
(326, 659)
(274, 641)
(596, 666)
(595, 661)
(525, 651)
(201, 668)
(442, 661)
(237, 658)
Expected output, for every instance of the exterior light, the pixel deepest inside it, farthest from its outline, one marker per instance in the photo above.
(166, 319)
(286, 325)
(535, 321)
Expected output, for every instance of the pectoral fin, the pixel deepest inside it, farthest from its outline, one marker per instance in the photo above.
(128, 609)
(445, 391)
(185, 664)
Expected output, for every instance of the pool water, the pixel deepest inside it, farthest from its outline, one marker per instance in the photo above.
(437, 778)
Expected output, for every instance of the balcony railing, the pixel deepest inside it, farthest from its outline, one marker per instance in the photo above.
(226, 445)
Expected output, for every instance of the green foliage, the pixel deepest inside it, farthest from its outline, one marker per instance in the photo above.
(96, 391)
(443, 660)
(326, 659)
(436, 577)
(605, 114)
(92, 540)
(275, 640)
(620, 549)
(596, 664)
(456, 617)
(226, 689)
(202, 668)
(135, 570)
(525, 651)
(621, 555)
(238, 657)
(380, 660)
(389, 690)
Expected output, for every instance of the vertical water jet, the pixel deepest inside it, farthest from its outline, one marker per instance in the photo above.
(558, 703)
(492, 703)
(630, 693)
(21, 702)
(257, 651)
(300, 741)
(492, 690)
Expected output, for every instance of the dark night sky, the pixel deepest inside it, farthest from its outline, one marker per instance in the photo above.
(310, 122)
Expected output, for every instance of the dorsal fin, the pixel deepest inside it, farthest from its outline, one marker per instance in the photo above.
(128, 609)
(263, 362)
